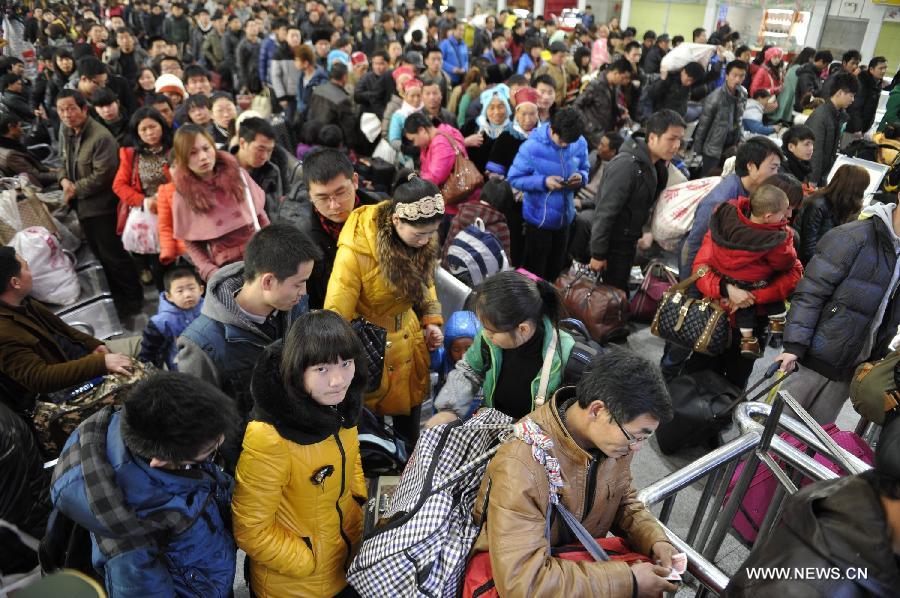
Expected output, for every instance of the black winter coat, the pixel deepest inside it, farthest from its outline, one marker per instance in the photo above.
(862, 110)
(831, 524)
(720, 121)
(669, 93)
(653, 60)
(598, 105)
(808, 84)
(815, 220)
(825, 122)
(836, 301)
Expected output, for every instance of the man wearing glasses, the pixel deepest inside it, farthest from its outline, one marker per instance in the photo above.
(595, 428)
(333, 193)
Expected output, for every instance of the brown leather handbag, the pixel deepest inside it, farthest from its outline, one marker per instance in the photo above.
(698, 324)
(602, 308)
(464, 178)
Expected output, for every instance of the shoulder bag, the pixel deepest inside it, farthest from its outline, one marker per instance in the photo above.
(698, 324)
(464, 178)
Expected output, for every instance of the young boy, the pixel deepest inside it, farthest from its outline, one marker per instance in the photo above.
(750, 243)
(179, 305)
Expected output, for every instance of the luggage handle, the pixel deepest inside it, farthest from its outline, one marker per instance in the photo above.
(583, 270)
(666, 274)
(766, 376)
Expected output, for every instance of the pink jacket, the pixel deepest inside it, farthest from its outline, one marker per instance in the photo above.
(599, 53)
(438, 158)
(219, 236)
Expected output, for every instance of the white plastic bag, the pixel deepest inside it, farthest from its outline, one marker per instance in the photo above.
(685, 53)
(384, 151)
(673, 215)
(141, 233)
(52, 268)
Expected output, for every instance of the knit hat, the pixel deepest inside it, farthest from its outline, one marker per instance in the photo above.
(337, 56)
(772, 52)
(169, 83)
(321, 34)
(412, 83)
(558, 47)
(405, 69)
(525, 95)
(358, 58)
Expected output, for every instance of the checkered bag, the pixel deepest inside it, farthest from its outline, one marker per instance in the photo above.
(423, 542)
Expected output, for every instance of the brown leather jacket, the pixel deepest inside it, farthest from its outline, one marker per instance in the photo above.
(517, 509)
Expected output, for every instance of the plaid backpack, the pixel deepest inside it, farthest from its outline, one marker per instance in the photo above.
(475, 254)
(423, 542)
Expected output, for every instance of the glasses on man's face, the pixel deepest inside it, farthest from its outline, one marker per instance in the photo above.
(334, 198)
(632, 439)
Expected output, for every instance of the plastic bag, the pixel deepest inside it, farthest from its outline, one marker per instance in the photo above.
(685, 53)
(141, 233)
(673, 215)
(52, 268)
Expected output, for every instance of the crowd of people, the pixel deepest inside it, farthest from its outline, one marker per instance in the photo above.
(308, 166)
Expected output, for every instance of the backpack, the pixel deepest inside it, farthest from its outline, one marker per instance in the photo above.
(862, 149)
(422, 544)
(475, 254)
(382, 452)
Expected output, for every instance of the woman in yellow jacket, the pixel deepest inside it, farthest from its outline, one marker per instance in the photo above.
(384, 272)
(298, 500)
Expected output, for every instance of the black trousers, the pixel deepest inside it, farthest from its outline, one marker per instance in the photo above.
(545, 251)
(710, 163)
(100, 232)
(619, 260)
(408, 426)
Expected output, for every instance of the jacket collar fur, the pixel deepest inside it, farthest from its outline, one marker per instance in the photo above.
(406, 268)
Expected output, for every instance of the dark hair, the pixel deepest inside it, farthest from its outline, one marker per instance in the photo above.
(676, 41)
(568, 124)
(629, 386)
(320, 336)
(741, 50)
(194, 70)
(615, 140)
(695, 71)
(416, 121)
(90, 66)
(177, 272)
(851, 55)
(767, 199)
(330, 136)
(9, 266)
(124, 29)
(796, 134)
(532, 43)
(279, 22)
(876, 61)
(278, 249)
(754, 151)
(761, 55)
(338, 71)
(621, 65)
(660, 121)
(844, 193)
(158, 422)
(629, 32)
(631, 46)
(508, 298)
(649, 34)
(845, 82)
(805, 55)
(696, 32)
(7, 121)
(152, 113)
(791, 186)
(198, 100)
(104, 97)
(417, 35)
(428, 52)
(823, 56)
(412, 191)
(545, 79)
(384, 54)
(309, 132)
(74, 94)
(497, 193)
(253, 126)
(157, 98)
(736, 64)
(761, 93)
(323, 165)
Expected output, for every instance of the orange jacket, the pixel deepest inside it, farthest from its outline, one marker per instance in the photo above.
(127, 185)
(169, 247)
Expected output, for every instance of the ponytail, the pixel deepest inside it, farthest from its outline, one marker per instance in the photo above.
(552, 304)
(507, 299)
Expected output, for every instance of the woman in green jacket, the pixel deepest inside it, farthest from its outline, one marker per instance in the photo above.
(785, 111)
(518, 358)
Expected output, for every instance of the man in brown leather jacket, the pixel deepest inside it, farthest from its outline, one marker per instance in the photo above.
(595, 429)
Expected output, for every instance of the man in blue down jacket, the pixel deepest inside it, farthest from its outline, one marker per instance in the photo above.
(844, 311)
(550, 167)
(142, 481)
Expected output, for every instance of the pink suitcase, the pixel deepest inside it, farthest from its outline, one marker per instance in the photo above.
(759, 495)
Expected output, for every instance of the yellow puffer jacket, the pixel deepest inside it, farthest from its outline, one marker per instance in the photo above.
(297, 503)
(359, 287)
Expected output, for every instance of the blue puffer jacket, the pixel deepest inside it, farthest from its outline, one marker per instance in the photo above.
(158, 343)
(842, 312)
(199, 561)
(539, 158)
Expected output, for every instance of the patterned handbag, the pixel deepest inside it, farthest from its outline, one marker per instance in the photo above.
(374, 341)
(699, 324)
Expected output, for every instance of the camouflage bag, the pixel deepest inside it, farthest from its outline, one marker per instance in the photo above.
(55, 419)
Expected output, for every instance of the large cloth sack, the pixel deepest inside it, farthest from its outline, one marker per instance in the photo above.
(762, 488)
(141, 232)
(52, 268)
(679, 57)
(601, 307)
(673, 215)
(423, 547)
(873, 389)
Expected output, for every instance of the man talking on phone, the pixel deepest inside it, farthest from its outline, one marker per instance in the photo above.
(631, 183)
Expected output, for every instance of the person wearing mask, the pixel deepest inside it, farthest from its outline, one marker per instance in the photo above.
(520, 331)
(455, 53)
(799, 142)
(826, 123)
(210, 207)
(308, 396)
(865, 102)
(597, 103)
(631, 183)
(768, 76)
(549, 168)
(393, 245)
(719, 126)
(595, 430)
(837, 203)
(90, 162)
(809, 79)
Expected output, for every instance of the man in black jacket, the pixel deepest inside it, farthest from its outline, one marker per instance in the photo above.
(598, 101)
(848, 527)
(826, 122)
(330, 104)
(719, 126)
(333, 193)
(798, 145)
(673, 89)
(374, 89)
(652, 60)
(631, 183)
(14, 98)
(862, 110)
(809, 79)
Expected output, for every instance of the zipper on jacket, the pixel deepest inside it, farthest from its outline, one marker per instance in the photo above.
(590, 487)
(337, 503)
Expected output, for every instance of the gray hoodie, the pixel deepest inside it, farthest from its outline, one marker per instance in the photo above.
(884, 211)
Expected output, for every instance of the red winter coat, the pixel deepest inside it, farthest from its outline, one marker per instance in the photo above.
(127, 185)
